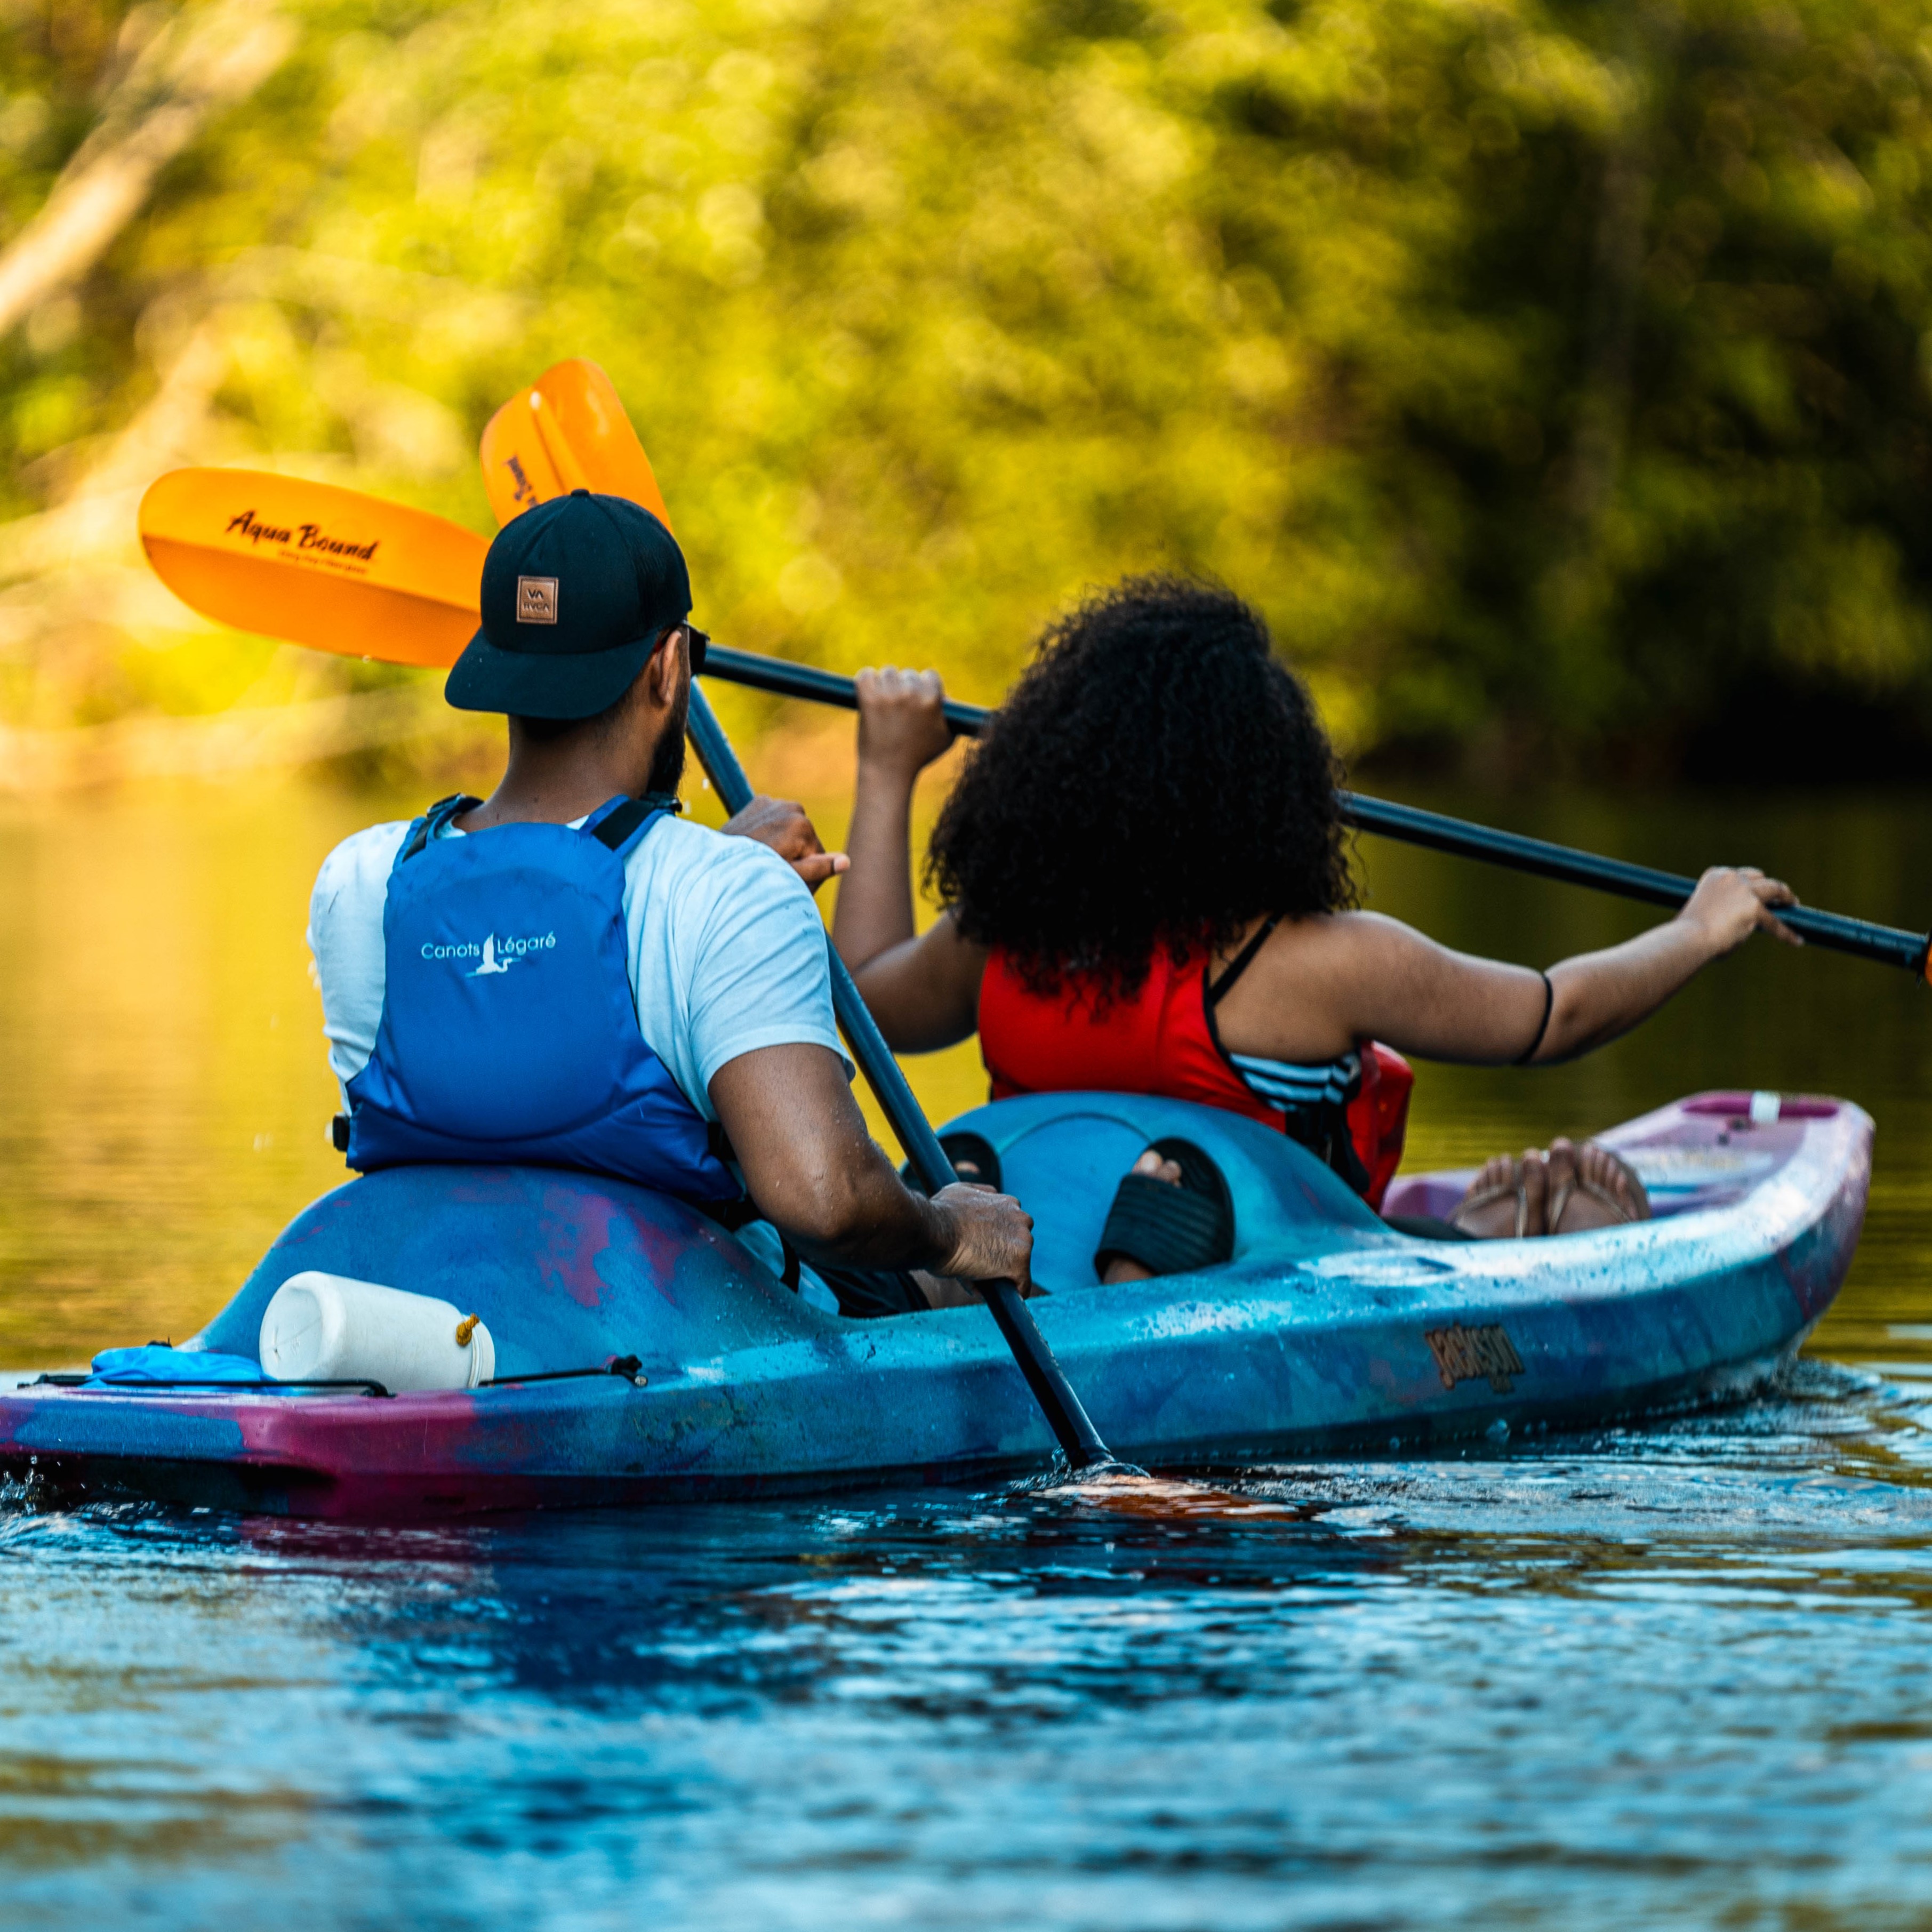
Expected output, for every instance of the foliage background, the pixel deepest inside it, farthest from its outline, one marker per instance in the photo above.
(1554, 376)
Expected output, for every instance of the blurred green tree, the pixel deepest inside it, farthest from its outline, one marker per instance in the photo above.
(1554, 376)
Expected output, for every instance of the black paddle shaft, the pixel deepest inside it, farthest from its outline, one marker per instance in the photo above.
(1079, 1440)
(1887, 945)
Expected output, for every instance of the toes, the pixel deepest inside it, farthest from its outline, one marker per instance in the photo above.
(1604, 1192)
(1488, 1211)
(1604, 1170)
(1535, 1194)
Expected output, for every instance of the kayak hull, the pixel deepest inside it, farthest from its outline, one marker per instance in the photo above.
(1327, 1332)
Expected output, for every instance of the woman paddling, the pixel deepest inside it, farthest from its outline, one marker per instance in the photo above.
(1146, 890)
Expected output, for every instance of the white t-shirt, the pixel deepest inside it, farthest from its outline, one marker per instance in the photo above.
(727, 950)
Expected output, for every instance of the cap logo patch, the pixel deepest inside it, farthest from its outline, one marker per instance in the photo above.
(536, 600)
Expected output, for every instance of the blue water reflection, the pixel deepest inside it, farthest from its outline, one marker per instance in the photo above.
(1667, 1676)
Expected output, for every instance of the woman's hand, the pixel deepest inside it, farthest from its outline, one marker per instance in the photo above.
(1732, 902)
(902, 724)
(782, 823)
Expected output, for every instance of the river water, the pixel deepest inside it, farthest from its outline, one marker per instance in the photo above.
(1669, 1676)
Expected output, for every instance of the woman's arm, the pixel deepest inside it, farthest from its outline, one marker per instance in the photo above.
(1597, 996)
(902, 728)
(925, 992)
(1320, 984)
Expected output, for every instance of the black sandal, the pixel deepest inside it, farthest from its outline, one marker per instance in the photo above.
(1168, 1229)
(973, 1158)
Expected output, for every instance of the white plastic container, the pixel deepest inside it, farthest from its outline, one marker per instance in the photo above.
(330, 1327)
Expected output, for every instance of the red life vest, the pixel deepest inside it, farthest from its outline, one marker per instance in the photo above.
(1163, 1040)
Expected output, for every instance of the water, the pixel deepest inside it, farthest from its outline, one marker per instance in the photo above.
(1672, 1677)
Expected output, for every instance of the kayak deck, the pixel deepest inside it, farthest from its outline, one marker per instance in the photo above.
(1327, 1332)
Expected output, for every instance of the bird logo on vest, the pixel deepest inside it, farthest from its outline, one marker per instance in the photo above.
(490, 963)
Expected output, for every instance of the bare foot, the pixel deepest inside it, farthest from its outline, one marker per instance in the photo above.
(1591, 1187)
(1120, 1268)
(1507, 1199)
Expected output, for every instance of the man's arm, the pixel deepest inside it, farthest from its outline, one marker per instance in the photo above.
(817, 1175)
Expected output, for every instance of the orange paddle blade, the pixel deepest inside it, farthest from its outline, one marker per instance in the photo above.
(315, 564)
(567, 431)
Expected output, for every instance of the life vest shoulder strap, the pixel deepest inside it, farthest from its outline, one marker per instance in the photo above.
(432, 822)
(613, 825)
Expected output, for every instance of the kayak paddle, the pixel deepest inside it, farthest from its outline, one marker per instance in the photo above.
(530, 446)
(313, 564)
(1889, 945)
(523, 442)
(398, 586)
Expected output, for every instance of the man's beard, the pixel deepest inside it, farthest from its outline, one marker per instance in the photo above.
(667, 760)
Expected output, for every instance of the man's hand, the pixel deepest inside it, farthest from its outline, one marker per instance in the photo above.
(781, 823)
(902, 724)
(991, 1234)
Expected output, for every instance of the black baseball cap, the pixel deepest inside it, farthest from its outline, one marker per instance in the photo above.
(577, 592)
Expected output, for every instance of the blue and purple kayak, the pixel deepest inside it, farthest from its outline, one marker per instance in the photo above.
(1328, 1332)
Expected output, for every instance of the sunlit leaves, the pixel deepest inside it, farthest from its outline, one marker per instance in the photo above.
(1545, 371)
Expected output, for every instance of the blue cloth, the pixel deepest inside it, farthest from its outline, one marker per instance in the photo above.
(727, 950)
(155, 1362)
(509, 1032)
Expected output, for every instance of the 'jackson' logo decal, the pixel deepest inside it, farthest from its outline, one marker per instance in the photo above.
(1463, 1354)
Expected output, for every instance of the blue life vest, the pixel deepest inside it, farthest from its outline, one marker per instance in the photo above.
(509, 1031)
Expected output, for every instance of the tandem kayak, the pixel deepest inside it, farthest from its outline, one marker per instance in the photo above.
(1327, 1332)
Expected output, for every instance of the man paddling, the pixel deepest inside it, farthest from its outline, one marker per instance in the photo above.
(568, 974)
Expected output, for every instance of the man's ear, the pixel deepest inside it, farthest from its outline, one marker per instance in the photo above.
(666, 668)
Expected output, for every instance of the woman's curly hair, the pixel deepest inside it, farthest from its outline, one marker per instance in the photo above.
(1156, 776)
